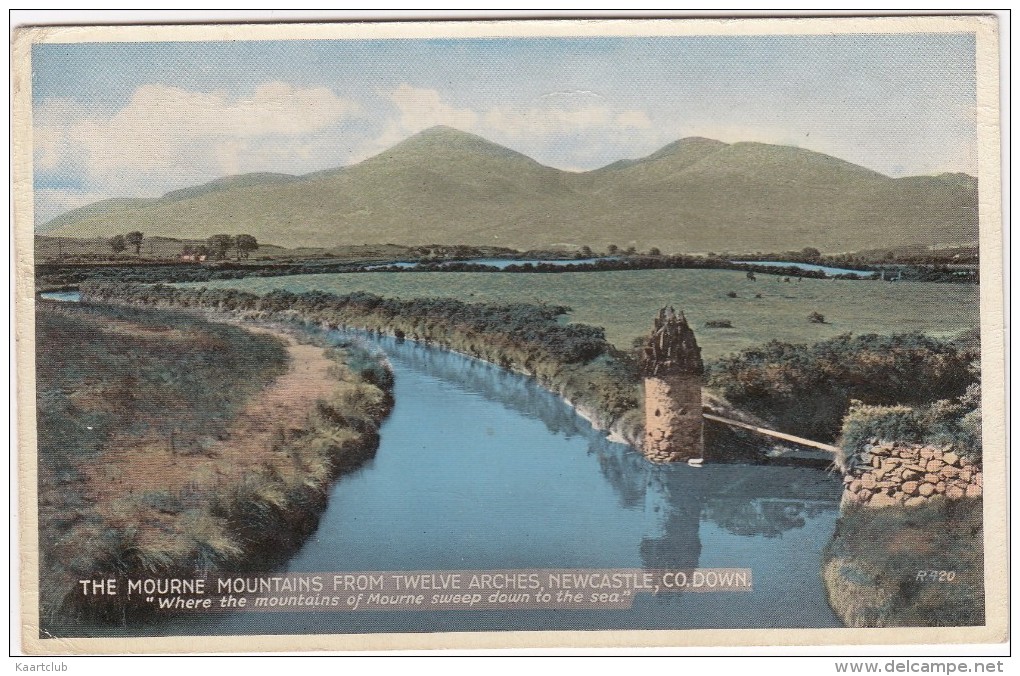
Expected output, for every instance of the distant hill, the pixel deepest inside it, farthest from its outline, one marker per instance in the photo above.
(447, 186)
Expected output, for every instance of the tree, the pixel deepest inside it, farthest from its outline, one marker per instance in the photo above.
(654, 251)
(219, 245)
(135, 239)
(586, 251)
(117, 243)
(613, 249)
(245, 245)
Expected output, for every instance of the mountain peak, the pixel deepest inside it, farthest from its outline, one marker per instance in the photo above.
(444, 140)
(683, 152)
(443, 130)
(689, 145)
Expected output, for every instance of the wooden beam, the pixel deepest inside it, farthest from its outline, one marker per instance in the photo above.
(773, 433)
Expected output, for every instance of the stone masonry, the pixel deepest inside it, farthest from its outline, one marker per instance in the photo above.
(909, 474)
(673, 370)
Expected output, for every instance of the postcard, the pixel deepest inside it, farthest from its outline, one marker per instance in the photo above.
(348, 336)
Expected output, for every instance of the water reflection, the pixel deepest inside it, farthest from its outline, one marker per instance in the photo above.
(675, 499)
(510, 390)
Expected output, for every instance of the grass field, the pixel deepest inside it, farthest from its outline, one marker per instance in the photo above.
(624, 303)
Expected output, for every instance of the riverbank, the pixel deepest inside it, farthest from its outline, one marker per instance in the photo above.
(897, 566)
(186, 446)
(573, 361)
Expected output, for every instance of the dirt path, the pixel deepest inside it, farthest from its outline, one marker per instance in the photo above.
(133, 465)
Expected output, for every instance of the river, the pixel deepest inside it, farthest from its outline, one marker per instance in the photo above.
(479, 468)
(483, 469)
(496, 263)
(810, 267)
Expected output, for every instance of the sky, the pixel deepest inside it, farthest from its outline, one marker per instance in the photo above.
(141, 119)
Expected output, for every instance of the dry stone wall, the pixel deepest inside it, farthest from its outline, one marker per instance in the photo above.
(888, 474)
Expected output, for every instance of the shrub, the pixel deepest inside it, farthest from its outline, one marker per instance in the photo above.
(808, 389)
(945, 422)
(885, 423)
(719, 324)
(816, 318)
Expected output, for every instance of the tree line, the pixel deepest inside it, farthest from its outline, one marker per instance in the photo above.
(217, 246)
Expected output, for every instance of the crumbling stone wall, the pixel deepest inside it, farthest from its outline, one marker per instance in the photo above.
(887, 474)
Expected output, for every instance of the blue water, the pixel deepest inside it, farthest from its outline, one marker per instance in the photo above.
(64, 296)
(498, 263)
(831, 272)
(482, 469)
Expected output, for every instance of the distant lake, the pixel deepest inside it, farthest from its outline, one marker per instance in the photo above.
(498, 263)
(831, 272)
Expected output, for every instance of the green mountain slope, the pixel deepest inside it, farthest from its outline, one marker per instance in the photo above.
(448, 186)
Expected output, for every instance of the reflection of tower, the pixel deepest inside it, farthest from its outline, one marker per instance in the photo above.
(673, 370)
(675, 498)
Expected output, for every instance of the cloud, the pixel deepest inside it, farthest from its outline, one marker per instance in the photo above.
(51, 202)
(633, 119)
(549, 120)
(423, 108)
(167, 137)
(546, 119)
(52, 144)
(162, 126)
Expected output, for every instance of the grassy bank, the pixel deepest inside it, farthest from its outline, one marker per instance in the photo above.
(173, 445)
(871, 566)
(624, 302)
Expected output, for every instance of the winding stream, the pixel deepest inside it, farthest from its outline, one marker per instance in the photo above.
(483, 469)
(479, 468)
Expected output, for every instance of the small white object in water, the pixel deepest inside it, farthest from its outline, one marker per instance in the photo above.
(695, 462)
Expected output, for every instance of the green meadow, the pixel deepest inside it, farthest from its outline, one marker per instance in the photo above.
(624, 303)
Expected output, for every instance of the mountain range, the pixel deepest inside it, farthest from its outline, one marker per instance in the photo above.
(445, 186)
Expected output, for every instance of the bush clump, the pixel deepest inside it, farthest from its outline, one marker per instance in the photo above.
(946, 422)
(807, 389)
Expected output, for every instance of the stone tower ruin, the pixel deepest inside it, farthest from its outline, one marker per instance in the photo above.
(673, 370)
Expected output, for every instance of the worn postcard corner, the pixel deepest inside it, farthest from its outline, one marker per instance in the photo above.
(510, 334)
